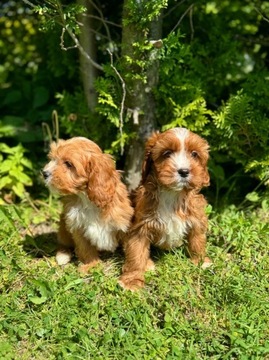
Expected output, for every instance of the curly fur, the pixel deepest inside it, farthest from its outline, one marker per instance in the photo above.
(168, 207)
(96, 208)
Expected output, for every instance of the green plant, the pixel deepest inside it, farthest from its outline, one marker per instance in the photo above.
(14, 170)
(183, 313)
(242, 123)
(201, 65)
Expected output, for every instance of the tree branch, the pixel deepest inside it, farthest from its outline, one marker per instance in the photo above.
(80, 48)
(123, 95)
(65, 28)
(182, 17)
(262, 15)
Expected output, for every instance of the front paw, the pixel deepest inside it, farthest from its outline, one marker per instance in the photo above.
(131, 282)
(204, 263)
(63, 257)
(84, 268)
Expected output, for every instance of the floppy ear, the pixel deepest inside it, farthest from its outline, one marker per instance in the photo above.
(206, 178)
(147, 163)
(102, 179)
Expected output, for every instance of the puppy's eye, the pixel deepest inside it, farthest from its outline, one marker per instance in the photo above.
(167, 153)
(194, 154)
(68, 164)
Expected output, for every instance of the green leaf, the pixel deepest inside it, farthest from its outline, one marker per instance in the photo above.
(37, 300)
(12, 97)
(73, 284)
(27, 163)
(7, 217)
(19, 190)
(21, 177)
(4, 181)
(4, 148)
(253, 196)
(6, 166)
(41, 97)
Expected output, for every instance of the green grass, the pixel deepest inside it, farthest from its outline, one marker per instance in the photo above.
(48, 312)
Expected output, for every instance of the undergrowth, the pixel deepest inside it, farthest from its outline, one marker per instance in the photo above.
(49, 312)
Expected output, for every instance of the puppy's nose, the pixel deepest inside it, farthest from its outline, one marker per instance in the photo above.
(183, 172)
(45, 174)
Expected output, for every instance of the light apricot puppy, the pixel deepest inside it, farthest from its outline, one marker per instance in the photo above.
(168, 206)
(96, 208)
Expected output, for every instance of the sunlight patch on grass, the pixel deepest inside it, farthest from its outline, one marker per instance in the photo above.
(184, 312)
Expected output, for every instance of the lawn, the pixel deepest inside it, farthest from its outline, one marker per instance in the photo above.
(184, 312)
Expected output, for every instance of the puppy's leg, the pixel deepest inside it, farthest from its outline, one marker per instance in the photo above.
(150, 265)
(86, 253)
(136, 262)
(65, 244)
(196, 248)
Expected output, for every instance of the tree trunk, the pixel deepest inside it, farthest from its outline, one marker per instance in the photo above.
(140, 99)
(88, 43)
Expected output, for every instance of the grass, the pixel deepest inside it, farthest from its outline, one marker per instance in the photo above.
(48, 312)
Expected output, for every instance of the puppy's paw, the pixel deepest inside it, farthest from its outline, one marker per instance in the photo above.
(206, 263)
(132, 283)
(84, 268)
(150, 265)
(63, 257)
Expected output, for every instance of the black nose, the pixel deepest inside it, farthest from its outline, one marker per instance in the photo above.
(183, 172)
(45, 174)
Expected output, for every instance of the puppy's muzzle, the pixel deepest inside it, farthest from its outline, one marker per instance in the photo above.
(45, 174)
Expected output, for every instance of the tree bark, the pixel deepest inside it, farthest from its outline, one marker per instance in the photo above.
(88, 43)
(140, 98)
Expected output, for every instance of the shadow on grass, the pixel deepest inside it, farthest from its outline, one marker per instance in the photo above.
(41, 245)
(45, 245)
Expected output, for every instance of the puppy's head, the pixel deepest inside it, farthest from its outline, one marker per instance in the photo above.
(178, 159)
(79, 166)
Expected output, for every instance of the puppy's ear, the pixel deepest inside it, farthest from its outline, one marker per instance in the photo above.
(206, 178)
(102, 179)
(147, 163)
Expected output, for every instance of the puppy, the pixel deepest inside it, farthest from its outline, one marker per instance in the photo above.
(96, 208)
(168, 206)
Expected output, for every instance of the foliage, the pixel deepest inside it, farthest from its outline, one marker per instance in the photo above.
(19, 29)
(219, 90)
(54, 13)
(141, 13)
(76, 120)
(14, 167)
(183, 313)
(213, 76)
(243, 126)
(30, 75)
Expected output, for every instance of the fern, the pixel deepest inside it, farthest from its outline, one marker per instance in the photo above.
(243, 132)
(194, 115)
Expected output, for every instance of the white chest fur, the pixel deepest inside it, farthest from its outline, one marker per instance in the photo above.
(175, 228)
(85, 216)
